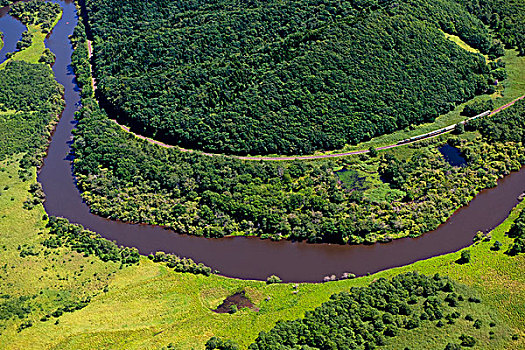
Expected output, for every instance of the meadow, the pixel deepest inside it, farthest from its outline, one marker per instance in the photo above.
(149, 306)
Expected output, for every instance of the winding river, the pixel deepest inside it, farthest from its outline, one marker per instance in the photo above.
(251, 258)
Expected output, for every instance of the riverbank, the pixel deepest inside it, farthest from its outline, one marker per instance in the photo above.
(150, 306)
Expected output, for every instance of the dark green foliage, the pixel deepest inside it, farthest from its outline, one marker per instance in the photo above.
(283, 77)
(11, 307)
(372, 152)
(478, 324)
(5, 2)
(25, 41)
(273, 279)
(36, 12)
(216, 343)
(508, 125)
(467, 340)
(361, 318)
(80, 60)
(496, 246)
(506, 18)
(517, 231)
(69, 306)
(181, 264)
(31, 90)
(464, 258)
(47, 57)
(477, 107)
(24, 325)
(131, 180)
(37, 196)
(83, 241)
(453, 346)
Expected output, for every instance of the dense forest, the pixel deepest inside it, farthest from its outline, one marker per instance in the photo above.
(30, 99)
(372, 316)
(284, 77)
(125, 178)
(505, 17)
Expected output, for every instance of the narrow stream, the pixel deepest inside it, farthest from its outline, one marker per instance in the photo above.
(252, 258)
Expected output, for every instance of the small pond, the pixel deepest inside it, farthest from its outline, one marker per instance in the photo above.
(239, 300)
(452, 155)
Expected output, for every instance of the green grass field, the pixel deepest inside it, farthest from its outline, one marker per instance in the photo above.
(149, 306)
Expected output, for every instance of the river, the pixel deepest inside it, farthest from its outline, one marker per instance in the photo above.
(252, 258)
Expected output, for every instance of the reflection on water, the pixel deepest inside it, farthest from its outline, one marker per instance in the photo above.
(452, 155)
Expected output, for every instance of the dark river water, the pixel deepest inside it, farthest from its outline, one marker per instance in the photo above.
(252, 258)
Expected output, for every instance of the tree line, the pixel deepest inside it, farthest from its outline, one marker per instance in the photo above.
(506, 18)
(36, 12)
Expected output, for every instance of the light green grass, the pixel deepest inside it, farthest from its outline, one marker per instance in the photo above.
(149, 306)
(33, 53)
(456, 39)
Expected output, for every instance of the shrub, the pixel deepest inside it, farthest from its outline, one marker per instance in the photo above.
(465, 257)
(467, 340)
(496, 246)
(273, 279)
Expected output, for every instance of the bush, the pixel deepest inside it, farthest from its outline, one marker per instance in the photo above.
(273, 279)
(496, 246)
(465, 257)
(467, 340)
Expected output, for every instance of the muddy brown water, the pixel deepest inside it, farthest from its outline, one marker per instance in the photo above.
(252, 258)
(238, 299)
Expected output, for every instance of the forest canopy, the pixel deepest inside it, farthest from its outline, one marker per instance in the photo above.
(283, 77)
(30, 99)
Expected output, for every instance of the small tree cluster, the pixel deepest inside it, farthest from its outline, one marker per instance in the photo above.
(216, 343)
(180, 264)
(87, 242)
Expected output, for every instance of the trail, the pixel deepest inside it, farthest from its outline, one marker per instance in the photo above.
(445, 130)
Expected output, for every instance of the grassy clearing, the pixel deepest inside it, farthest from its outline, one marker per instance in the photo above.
(33, 53)
(149, 306)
